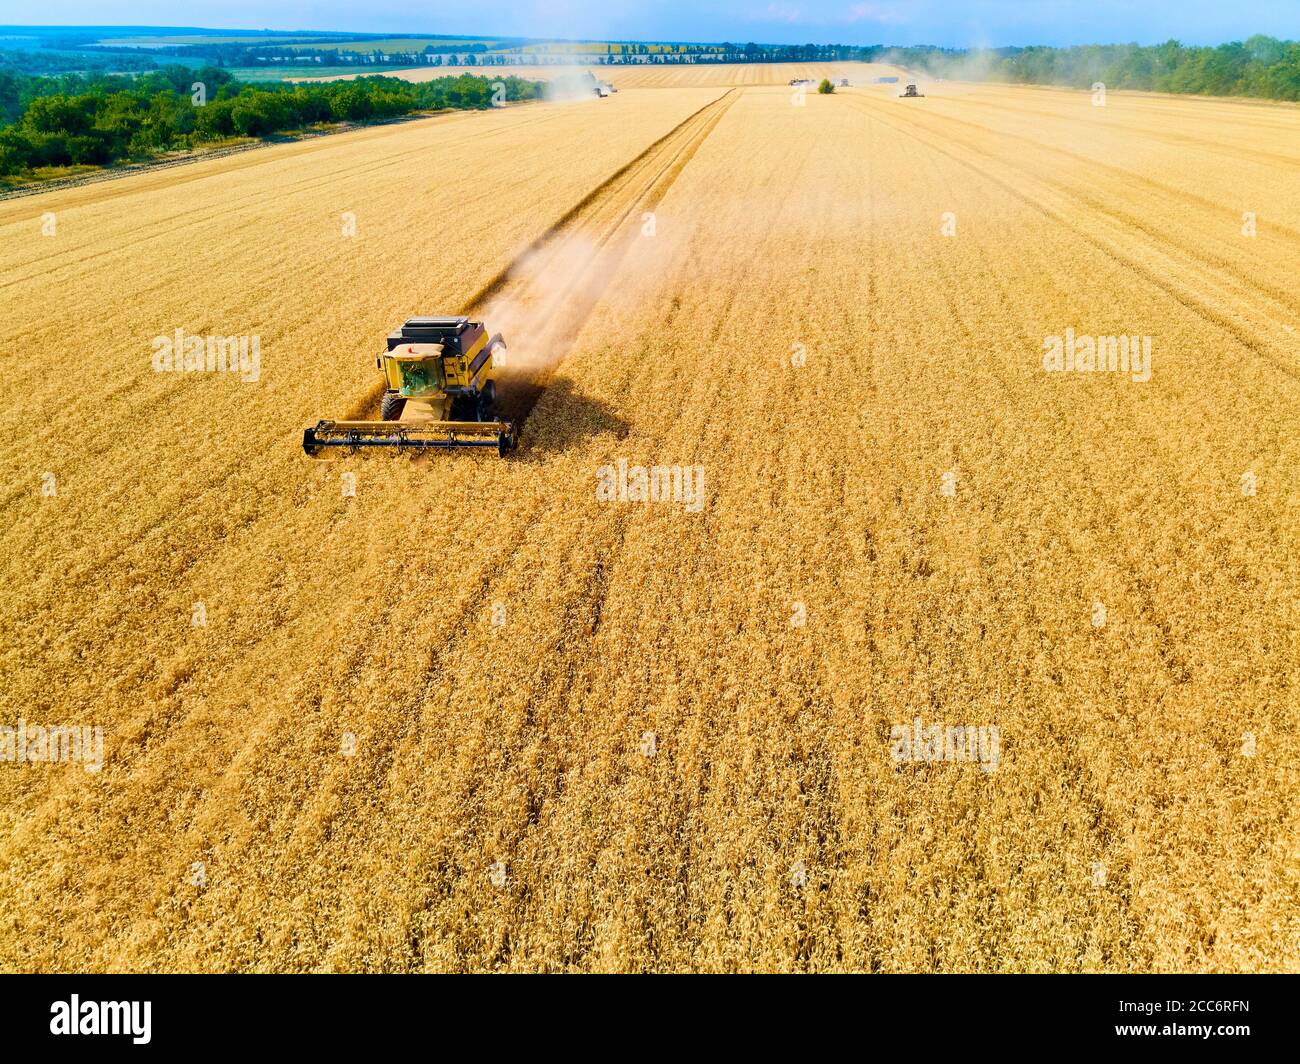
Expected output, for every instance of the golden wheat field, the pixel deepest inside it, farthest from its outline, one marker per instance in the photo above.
(480, 715)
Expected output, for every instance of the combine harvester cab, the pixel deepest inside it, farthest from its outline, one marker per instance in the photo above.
(440, 391)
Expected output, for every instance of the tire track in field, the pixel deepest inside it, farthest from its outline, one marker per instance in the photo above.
(1154, 133)
(1181, 293)
(1124, 175)
(921, 169)
(1208, 108)
(750, 393)
(696, 393)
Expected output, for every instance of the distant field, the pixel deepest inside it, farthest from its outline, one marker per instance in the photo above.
(304, 72)
(314, 41)
(566, 48)
(383, 43)
(166, 42)
(117, 61)
(392, 44)
(676, 76)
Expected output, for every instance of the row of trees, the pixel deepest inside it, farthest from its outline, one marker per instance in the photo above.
(325, 54)
(74, 119)
(37, 61)
(1260, 66)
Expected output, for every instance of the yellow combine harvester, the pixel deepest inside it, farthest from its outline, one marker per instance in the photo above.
(440, 379)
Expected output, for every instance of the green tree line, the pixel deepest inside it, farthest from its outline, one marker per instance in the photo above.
(38, 61)
(1260, 66)
(77, 119)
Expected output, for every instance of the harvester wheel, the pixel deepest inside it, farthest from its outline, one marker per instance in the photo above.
(487, 402)
(391, 407)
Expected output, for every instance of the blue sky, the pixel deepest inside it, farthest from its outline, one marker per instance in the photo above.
(944, 22)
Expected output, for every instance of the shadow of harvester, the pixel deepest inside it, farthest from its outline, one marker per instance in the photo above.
(571, 416)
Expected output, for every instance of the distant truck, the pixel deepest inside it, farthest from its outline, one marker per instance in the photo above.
(886, 81)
